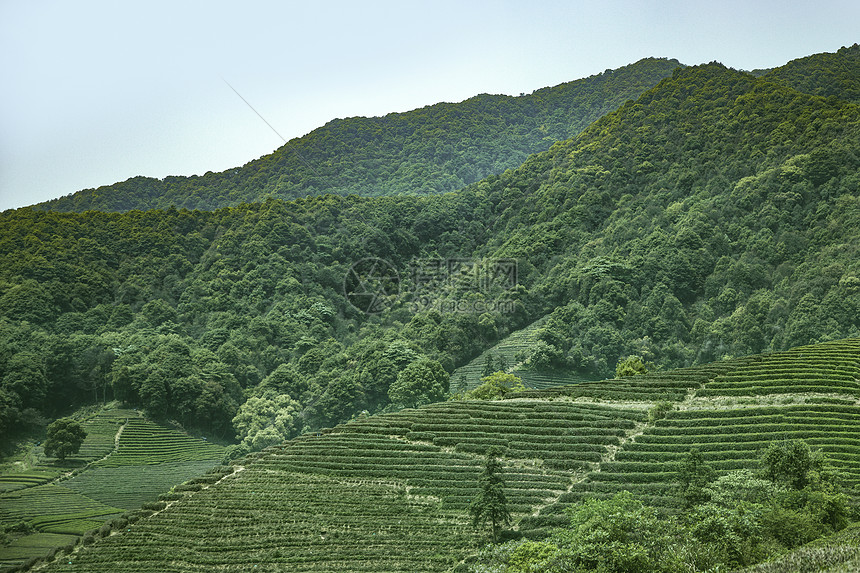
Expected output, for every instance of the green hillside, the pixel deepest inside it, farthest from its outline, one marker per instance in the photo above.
(713, 217)
(435, 149)
(125, 461)
(391, 492)
(682, 227)
(505, 356)
(808, 393)
(827, 75)
(838, 553)
(515, 354)
(707, 227)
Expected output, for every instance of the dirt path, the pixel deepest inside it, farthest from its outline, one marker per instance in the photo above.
(70, 474)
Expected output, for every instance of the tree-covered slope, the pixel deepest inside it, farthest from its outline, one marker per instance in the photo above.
(715, 216)
(434, 149)
(191, 313)
(827, 75)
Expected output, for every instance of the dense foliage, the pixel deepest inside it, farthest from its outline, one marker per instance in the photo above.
(494, 386)
(714, 216)
(742, 518)
(63, 437)
(434, 149)
(189, 314)
(829, 75)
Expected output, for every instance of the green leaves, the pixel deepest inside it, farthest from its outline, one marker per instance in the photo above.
(630, 366)
(793, 464)
(267, 420)
(495, 386)
(491, 504)
(422, 382)
(617, 535)
(64, 437)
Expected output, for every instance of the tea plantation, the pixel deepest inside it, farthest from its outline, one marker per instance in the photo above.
(508, 355)
(125, 461)
(390, 492)
(504, 355)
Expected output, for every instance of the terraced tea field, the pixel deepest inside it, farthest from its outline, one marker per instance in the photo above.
(731, 436)
(540, 380)
(671, 386)
(131, 461)
(145, 443)
(507, 350)
(391, 492)
(53, 508)
(439, 449)
(824, 368)
(20, 480)
(130, 486)
(102, 428)
(340, 500)
(24, 548)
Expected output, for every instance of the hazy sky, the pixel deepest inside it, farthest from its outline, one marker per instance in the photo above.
(97, 92)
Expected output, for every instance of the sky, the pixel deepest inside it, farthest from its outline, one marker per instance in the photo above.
(97, 92)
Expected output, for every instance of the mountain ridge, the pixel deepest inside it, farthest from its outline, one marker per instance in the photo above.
(825, 74)
(436, 148)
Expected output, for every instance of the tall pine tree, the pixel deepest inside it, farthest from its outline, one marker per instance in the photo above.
(491, 504)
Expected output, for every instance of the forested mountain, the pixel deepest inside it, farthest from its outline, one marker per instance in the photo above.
(828, 75)
(716, 215)
(434, 149)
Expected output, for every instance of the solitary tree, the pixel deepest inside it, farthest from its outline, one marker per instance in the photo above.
(794, 464)
(693, 476)
(491, 504)
(495, 386)
(267, 420)
(65, 437)
(488, 366)
(630, 366)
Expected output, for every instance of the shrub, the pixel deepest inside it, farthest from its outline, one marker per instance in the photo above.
(496, 386)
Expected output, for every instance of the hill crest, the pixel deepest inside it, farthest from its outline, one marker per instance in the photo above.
(434, 149)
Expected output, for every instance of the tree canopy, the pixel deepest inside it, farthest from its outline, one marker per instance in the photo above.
(734, 520)
(713, 216)
(490, 504)
(64, 437)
